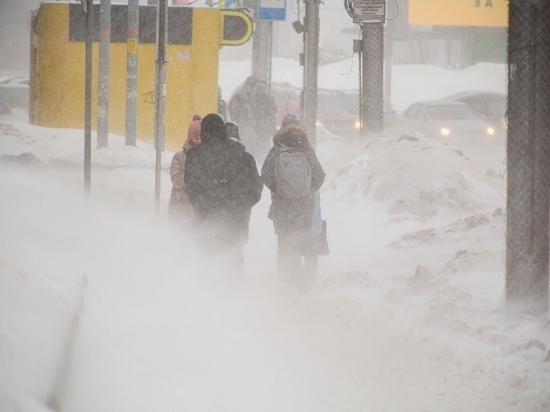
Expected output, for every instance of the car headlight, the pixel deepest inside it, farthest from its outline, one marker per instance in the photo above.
(318, 123)
(445, 131)
(357, 125)
(490, 131)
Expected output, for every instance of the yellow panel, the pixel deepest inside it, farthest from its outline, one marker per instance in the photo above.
(117, 89)
(192, 78)
(179, 82)
(146, 92)
(481, 13)
(52, 64)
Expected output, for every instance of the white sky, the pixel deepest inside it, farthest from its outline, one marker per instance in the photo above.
(408, 313)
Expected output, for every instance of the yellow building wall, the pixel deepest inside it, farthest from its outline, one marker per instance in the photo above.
(191, 77)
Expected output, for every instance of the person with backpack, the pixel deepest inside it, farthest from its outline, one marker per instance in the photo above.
(223, 184)
(180, 210)
(293, 173)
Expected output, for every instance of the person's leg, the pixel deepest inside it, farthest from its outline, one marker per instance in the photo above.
(235, 263)
(289, 265)
(311, 263)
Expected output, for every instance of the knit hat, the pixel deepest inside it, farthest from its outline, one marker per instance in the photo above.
(232, 130)
(194, 130)
(212, 127)
(290, 119)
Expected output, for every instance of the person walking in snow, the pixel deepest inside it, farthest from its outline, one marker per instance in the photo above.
(223, 184)
(179, 207)
(233, 134)
(290, 106)
(240, 110)
(264, 111)
(293, 173)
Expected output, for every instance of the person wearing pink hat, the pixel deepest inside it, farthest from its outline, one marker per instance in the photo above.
(179, 207)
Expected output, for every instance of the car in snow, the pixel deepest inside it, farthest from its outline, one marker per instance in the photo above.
(337, 110)
(390, 118)
(492, 105)
(14, 91)
(448, 120)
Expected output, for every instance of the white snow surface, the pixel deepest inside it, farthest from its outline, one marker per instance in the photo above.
(105, 307)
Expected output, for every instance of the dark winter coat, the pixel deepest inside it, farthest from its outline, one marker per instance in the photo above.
(240, 108)
(222, 183)
(264, 109)
(291, 215)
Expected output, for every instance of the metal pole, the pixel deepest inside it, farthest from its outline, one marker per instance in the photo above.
(132, 72)
(311, 66)
(88, 97)
(388, 57)
(160, 92)
(103, 77)
(261, 50)
(372, 82)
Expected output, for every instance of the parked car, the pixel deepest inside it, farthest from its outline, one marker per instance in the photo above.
(337, 110)
(492, 105)
(352, 102)
(14, 91)
(448, 120)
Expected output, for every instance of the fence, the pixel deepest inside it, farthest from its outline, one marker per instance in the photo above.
(528, 156)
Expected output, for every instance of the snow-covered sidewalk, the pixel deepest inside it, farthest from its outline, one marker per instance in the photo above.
(408, 313)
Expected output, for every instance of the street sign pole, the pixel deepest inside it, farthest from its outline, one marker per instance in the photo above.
(132, 72)
(370, 14)
(311, 68)
(160, 93)
(103, 76)
(266, 12)
(88, 9)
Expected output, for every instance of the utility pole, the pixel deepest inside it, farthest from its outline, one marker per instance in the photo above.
(103, 76)
(311, 68)
(370, 14)
(160, 93)
(88, 7)
(132, 72)
(388, 59)
(262, 40)
(262, 43)
(372, 78)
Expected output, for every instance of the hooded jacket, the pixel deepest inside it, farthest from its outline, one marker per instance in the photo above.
(291, 215)
(222, 182)
(178, 198)
(179, 205)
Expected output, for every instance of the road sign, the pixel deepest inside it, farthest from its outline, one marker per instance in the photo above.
(369, 11)
(272, 10)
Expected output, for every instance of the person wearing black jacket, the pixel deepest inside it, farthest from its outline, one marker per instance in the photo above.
(223, 184)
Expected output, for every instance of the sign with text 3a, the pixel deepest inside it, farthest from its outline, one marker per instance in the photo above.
(272, 10)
